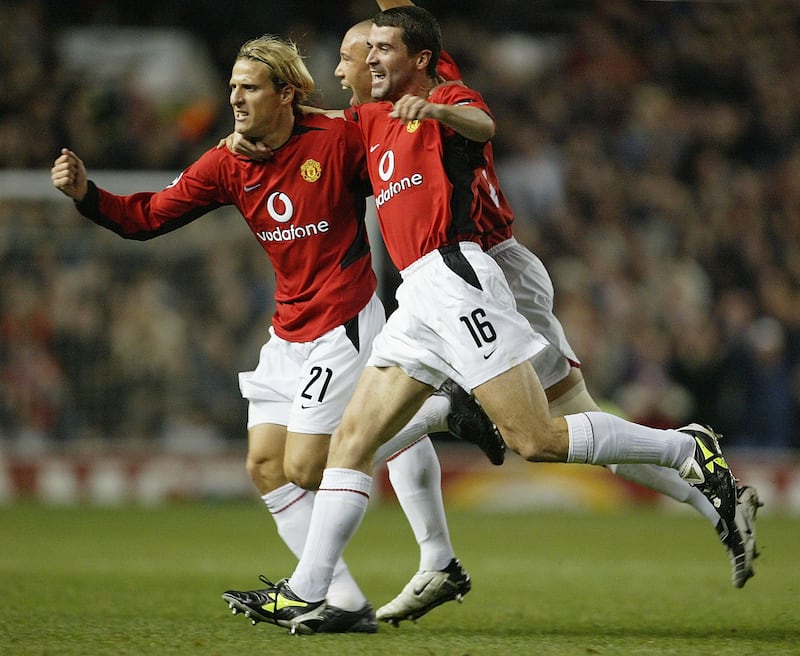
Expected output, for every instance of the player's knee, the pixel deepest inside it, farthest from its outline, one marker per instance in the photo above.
(305, 475)
(265, 473)
(533, 446)
(253, 466)
(350, 446)
(528, 448)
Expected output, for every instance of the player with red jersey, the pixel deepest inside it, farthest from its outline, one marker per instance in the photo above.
(556, 366)
(456, 316)
(300, 209)
(558, 369)
(305, 207)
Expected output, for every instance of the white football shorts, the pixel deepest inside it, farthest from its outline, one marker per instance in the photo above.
(305, 386)
(533, 291)
(457, 319)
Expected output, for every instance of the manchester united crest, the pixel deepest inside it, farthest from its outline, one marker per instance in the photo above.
(412, 126)
(311, 170)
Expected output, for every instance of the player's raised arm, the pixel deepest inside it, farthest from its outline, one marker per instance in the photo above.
(470, 122)
(69, 175)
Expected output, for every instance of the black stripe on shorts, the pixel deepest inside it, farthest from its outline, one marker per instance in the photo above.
(351, 330)
(458, 264)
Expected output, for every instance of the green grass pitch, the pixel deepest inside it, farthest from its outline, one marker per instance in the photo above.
(86, 580)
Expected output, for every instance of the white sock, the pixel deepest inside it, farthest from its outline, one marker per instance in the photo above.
(339, 507)
(430, 418)
(668, 481)
(416, 476)
(661, 479)
(291, 508)
(599, 438)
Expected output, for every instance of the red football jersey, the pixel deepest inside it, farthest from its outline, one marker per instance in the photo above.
(447, 68)
(427, 179)
(305, 207)
(495, 216)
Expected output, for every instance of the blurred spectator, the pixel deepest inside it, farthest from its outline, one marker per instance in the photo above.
(31, 379)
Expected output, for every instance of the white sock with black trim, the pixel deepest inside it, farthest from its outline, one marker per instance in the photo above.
(416, 476)
(291, 507)
(339, 507)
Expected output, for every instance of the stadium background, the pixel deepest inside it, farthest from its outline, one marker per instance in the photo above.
(649, 149)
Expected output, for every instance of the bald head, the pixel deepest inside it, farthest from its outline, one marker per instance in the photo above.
(359, 31)
(352, 69)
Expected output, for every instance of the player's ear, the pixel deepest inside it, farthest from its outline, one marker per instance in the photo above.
(423, 57)
(287, 94)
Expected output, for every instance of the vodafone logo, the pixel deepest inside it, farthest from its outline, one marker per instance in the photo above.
(393, 187)
(281, 210)
(386, 165)
(279, 207)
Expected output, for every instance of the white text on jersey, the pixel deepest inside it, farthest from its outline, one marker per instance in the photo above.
(292, 232)
(394, 188)
(385, 171)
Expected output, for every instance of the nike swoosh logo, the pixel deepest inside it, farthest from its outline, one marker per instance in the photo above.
(372, 149)
(418, 592)
(486, 357)
(251, 187)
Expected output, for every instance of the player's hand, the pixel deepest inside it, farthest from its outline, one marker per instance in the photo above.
(69, 175)
(411, 108)
(241, 145)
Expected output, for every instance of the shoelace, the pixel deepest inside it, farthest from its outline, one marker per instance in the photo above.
(260, 596)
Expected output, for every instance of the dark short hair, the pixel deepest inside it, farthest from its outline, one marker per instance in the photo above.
(420, 31)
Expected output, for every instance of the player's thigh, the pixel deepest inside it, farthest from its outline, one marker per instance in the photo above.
(517, 404)
(305, 458)
(384, 401)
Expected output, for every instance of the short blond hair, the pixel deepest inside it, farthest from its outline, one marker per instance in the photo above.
(284, 61)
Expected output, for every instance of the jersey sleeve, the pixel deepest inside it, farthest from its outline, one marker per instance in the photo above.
(145, 215)
(357, 154)
(458, 94)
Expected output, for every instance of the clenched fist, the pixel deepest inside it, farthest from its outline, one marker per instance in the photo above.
(69, 175)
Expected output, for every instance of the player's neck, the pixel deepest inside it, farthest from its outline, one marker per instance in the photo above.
(426, 87)
(422, 87)
(280, 132)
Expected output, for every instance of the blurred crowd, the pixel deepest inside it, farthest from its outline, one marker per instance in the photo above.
(650, 150)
